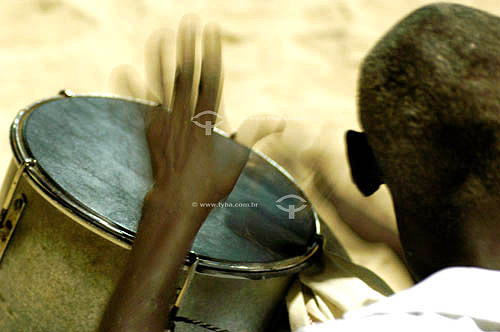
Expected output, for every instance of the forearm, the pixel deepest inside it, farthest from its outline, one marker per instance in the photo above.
(144, 293)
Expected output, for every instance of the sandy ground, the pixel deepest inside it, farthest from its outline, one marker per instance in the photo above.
(294, 58)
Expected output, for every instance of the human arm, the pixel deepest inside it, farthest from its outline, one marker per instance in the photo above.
(187, 167)
(142, 298)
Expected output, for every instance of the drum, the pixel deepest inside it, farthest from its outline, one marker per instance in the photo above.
(72, 200)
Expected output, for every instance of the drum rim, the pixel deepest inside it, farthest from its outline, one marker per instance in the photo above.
(106, 228)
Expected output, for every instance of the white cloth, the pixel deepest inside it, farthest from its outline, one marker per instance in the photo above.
(454, 299)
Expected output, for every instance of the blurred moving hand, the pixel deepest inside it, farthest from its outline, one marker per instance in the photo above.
(189, 86)
(185, 156)
(189, 166)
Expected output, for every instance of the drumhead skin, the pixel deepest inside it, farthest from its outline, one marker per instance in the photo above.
(92, 162)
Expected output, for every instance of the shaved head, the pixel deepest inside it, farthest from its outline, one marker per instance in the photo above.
(429, 104)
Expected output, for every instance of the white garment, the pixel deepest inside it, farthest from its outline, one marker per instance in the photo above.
(454, 299)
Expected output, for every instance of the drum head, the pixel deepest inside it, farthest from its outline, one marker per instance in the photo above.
(92, 156)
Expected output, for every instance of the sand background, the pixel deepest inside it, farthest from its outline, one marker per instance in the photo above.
(297, 58)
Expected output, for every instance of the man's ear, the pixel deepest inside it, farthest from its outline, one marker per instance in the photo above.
(364, 170)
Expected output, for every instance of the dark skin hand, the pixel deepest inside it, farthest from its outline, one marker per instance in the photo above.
(182, 156)
(188, 166)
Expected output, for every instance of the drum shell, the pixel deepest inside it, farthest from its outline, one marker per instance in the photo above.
(58, 275)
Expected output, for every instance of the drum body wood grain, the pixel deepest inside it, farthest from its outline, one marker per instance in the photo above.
(81, 207)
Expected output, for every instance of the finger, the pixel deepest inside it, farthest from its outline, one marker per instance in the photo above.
(125, 81)
(188, 70)
(211, 80)
(157, 124)
(160, 66)
(257, 127)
